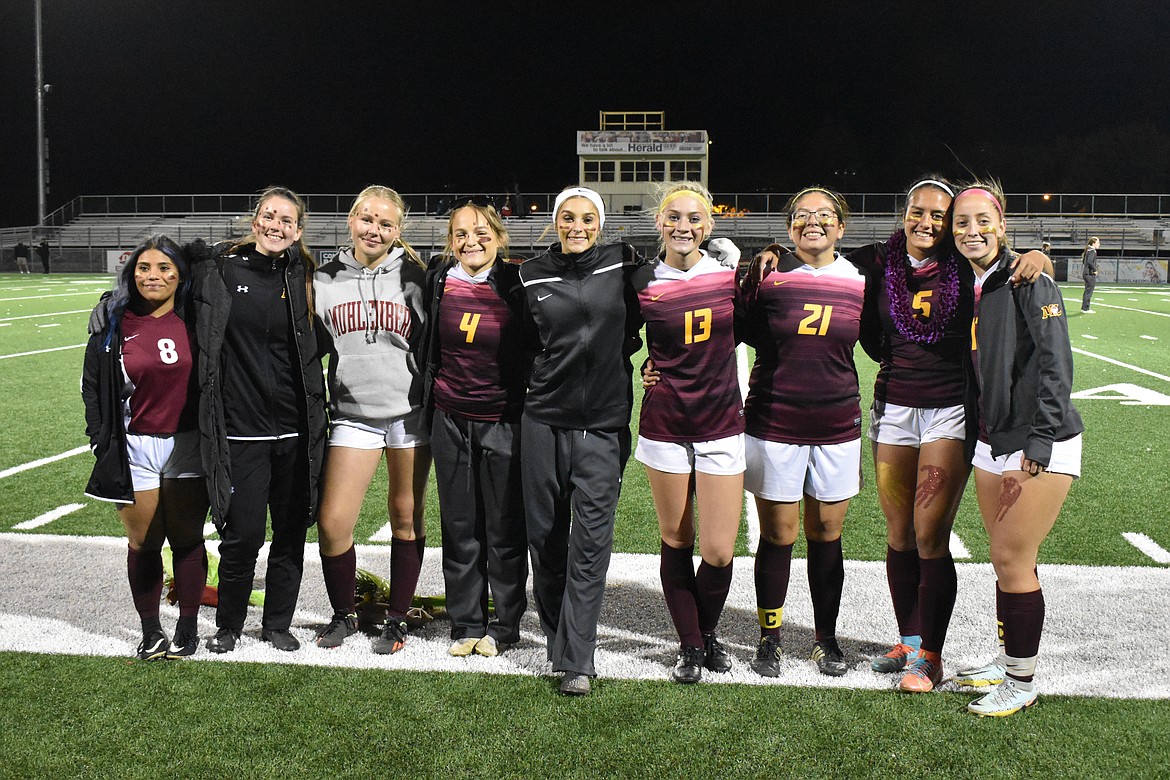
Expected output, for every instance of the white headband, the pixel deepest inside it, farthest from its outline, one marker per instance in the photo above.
(933, 183)
(581, 192)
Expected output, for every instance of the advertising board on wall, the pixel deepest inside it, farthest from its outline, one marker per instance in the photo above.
(643, 143)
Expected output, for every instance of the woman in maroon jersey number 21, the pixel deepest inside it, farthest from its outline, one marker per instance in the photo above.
(141, 417)
(690, 436)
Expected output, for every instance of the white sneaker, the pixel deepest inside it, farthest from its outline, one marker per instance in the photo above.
(1005, 700)
(461, 648)
(488, 647)
(980, 676)
(1087, 311)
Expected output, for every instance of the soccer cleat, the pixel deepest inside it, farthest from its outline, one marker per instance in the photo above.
(461, 648)
(280, 638)
(897, 659)
(393, 637)
(153, 646)
(224, 641)
(341, 626)
(573, 684)
(490, 647)
(183, 645)
(688, 668)
(830, 660)
(767, 660)
(922, 675)
(980, 676)
(1008, 698)
(715, 655)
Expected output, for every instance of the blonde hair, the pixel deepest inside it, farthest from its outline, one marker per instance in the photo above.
(387, 194)
(668, 192)
(992, 187)
(489, 215)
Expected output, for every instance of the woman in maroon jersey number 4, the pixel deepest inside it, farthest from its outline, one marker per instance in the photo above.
(141, 414)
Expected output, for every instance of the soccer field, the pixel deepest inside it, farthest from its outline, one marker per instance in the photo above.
(1104, 567)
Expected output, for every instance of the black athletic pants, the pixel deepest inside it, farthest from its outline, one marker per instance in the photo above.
(572, 479)
(481, 509)
(1087, 298)
(269, 476)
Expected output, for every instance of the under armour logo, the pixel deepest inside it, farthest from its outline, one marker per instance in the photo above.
(242, 288)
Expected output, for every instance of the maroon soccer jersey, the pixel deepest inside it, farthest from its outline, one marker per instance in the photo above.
(481, 372)
(805, 323)
(157, 361)
(926, 376)
(690, 338)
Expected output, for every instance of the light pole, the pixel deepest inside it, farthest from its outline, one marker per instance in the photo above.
(42, 90)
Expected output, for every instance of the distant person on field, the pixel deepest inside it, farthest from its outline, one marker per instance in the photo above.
(43, 253)
(1089, 272)
(141, 416)
(21, 252)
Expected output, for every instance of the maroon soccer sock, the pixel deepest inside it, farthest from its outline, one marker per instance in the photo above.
(712, 583)
(339, 572)
(936, 600)
(144, 570)
(1022, 616)
(405, 565)
(902, 573)
(677, 571)
(190, 577)
(826, 578)
(772, 571)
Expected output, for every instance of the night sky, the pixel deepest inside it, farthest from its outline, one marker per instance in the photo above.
(183, 97)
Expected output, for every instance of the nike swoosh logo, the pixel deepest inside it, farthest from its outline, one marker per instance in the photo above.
(656, 297)
(136, 335)
(542, 297)
(777, 284)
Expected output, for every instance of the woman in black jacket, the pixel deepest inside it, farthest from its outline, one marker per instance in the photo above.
(1029, 449)
(140, 413)
(261, 413)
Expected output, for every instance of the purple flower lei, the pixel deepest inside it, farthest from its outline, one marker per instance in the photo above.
(946, 301)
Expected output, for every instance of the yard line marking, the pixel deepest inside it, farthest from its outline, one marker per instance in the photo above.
(42, 297)
(208, 529)
(50, 325)
(383, 534)
(1123, 365)
(1148, 546)
(47, 517)
(1087, 336)
(42, 462)
(1150, 338)
(958, 549)
(1121, 308)
(36, 316)
(40, 351)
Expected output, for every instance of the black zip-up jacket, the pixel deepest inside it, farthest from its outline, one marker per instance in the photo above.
(504, 278)
(213, 306)
(102, 390)
(1025, 365)
(582, 312)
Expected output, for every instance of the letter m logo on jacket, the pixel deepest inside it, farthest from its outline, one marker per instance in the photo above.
(1051, 310)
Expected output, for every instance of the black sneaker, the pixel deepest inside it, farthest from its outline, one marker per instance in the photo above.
(715, 656)
(767, 660)
(830, 660)
(183, 645)
(224, 641)
(153, 646)
(689, 666)
(393, 637)
(280, 638)
(334, 634)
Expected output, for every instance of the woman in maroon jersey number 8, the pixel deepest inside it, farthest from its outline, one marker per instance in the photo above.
(141, 419)
(690, 435)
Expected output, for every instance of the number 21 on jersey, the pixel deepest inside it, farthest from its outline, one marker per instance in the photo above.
(808, 326)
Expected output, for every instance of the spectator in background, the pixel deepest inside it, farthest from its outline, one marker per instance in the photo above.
(1089, 272)
(21, 252)
(1049, 268)
(43, 253)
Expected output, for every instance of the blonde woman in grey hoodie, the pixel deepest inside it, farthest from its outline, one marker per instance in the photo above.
(369, 300)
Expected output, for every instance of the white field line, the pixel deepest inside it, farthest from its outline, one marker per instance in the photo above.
(41, 351)
(743, 370)
(36, 316)
(959, 550)
(1100, 305)
(47, 517)
(32, 464)
(42, 297)
(383, 534)
(1123, 365)
(1148, 547)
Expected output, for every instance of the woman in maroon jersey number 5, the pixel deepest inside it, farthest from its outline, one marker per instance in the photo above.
(141, 418)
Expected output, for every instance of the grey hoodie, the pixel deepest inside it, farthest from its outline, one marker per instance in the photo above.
(374, 318)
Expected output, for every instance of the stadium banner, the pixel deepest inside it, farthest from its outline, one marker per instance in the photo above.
(1128, 270)
(643, 143)
(116, 258)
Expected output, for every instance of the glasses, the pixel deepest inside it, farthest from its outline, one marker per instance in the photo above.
(824, 216)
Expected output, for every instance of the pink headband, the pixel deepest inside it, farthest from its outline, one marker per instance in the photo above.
(985, 193)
